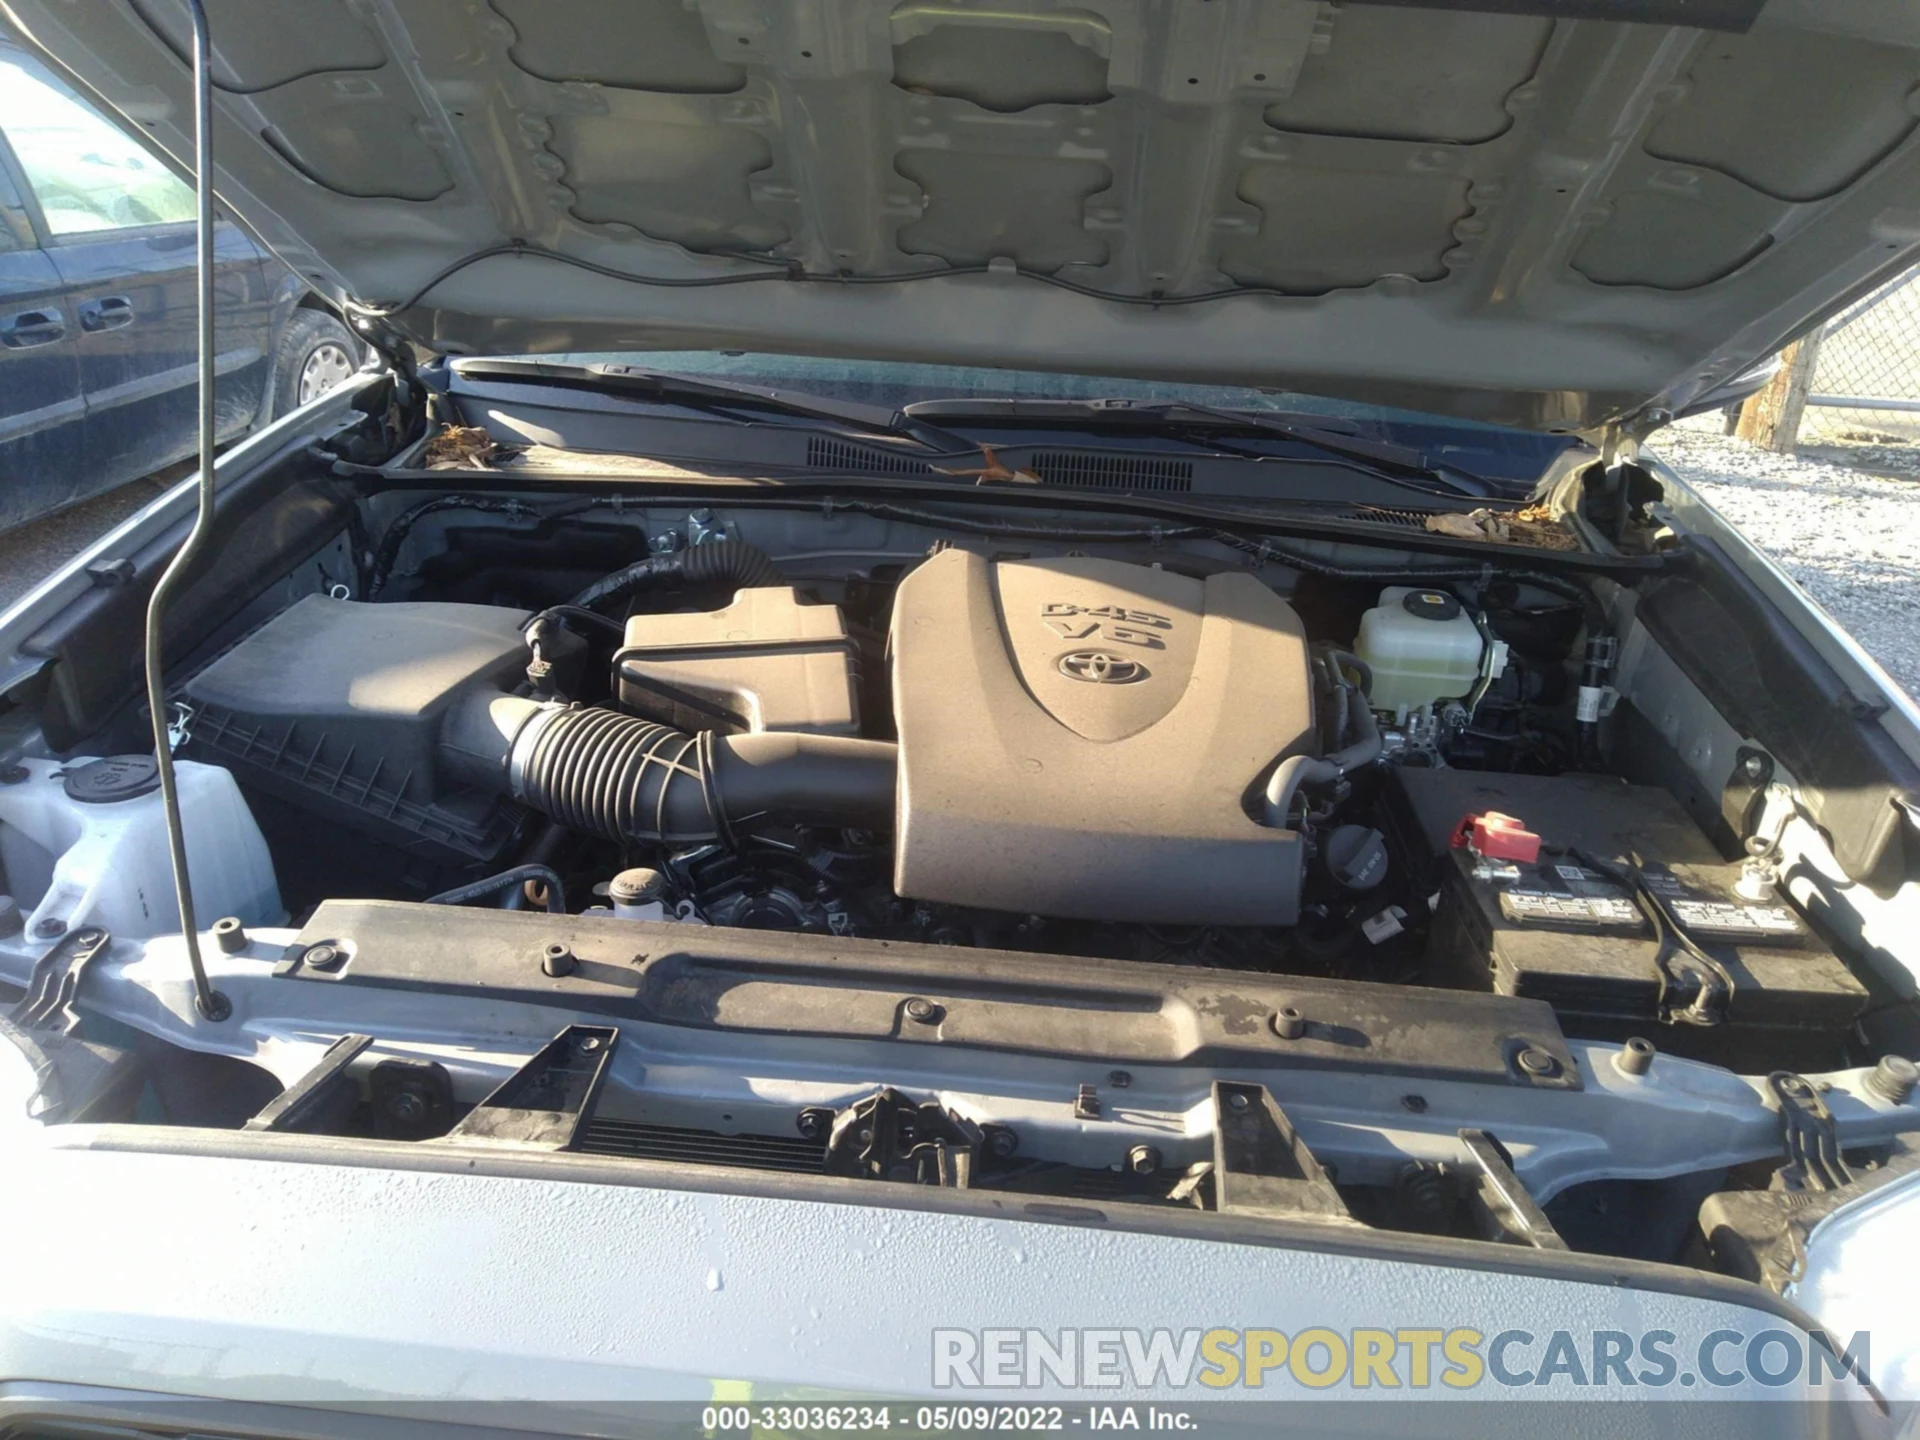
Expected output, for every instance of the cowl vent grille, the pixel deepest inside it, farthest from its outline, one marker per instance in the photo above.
(1398, 519)
(825, 453)
(1089, 471)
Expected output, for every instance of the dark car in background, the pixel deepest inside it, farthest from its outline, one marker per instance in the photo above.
(97, 317)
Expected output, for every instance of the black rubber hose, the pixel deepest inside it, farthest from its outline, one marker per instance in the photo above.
(1286, 780)
(625, 779)
(592, 619)
(1347, 660)
(732, 562)
(1341, 697)
(1366, 745)
(1365, 748)
(541, 852)
(507, 879)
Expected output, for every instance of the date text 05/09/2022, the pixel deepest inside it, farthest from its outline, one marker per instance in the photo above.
(939, 1418)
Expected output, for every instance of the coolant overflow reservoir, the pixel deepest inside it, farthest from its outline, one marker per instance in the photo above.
(1422, 647)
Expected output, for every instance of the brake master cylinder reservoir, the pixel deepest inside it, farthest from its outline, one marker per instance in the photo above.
(1422, 647)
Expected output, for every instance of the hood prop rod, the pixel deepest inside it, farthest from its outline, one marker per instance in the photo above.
(207, 1000)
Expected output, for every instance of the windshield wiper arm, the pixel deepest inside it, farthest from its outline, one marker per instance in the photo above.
(725, 396)
(916, 422)
(1377, 456)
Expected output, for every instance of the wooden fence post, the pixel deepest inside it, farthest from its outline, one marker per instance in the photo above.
(1771, 417)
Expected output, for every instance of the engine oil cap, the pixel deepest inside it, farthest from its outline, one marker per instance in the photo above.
(1356, 857)
(116, 778)
(1430, 604)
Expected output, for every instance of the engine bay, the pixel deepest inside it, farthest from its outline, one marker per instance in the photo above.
(1059, 751)
(1061, 754)
(992, 847)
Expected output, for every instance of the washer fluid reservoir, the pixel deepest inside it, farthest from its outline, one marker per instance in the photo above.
(1422, 647)
(86, 843)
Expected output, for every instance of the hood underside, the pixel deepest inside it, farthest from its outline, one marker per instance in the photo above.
(1516, 212)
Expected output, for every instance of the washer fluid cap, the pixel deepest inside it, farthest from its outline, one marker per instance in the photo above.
(116, 778)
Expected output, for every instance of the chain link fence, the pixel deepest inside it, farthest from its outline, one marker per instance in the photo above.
(1865, 391)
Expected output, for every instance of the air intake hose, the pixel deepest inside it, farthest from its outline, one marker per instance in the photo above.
(622, 778)
(732, 562)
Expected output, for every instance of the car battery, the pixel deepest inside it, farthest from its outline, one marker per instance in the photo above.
(1571, 925)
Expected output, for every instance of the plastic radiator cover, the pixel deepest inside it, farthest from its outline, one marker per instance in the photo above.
(1081, 738)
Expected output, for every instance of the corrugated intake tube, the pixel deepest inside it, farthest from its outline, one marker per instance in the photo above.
(622, 778)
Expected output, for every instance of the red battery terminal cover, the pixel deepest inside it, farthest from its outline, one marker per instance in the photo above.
(1498, 837)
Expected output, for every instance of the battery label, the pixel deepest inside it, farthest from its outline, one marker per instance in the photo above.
(1710, 918)
(1568, 896)
(1545, 907)
(1735, 921)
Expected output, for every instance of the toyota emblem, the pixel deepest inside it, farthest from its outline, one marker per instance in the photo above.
(1097, 667)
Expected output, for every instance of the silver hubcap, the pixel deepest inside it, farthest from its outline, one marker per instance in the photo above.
(329, 365)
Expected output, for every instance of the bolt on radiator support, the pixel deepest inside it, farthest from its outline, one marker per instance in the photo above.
(210, 1002)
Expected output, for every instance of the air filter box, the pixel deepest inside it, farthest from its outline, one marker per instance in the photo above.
(335, 707)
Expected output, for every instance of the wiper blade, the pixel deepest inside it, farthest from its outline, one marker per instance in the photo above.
(1378, 457)
(727, 396)
(918, 422)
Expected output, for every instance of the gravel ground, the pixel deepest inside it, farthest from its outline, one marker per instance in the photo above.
(1850, 538)
(39, 548)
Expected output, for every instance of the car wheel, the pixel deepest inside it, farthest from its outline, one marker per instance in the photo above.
(316, 354)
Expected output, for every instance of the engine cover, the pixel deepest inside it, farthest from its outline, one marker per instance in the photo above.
(1082, 738)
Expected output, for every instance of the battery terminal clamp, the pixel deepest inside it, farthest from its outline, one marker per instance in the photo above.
(1500, 845)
